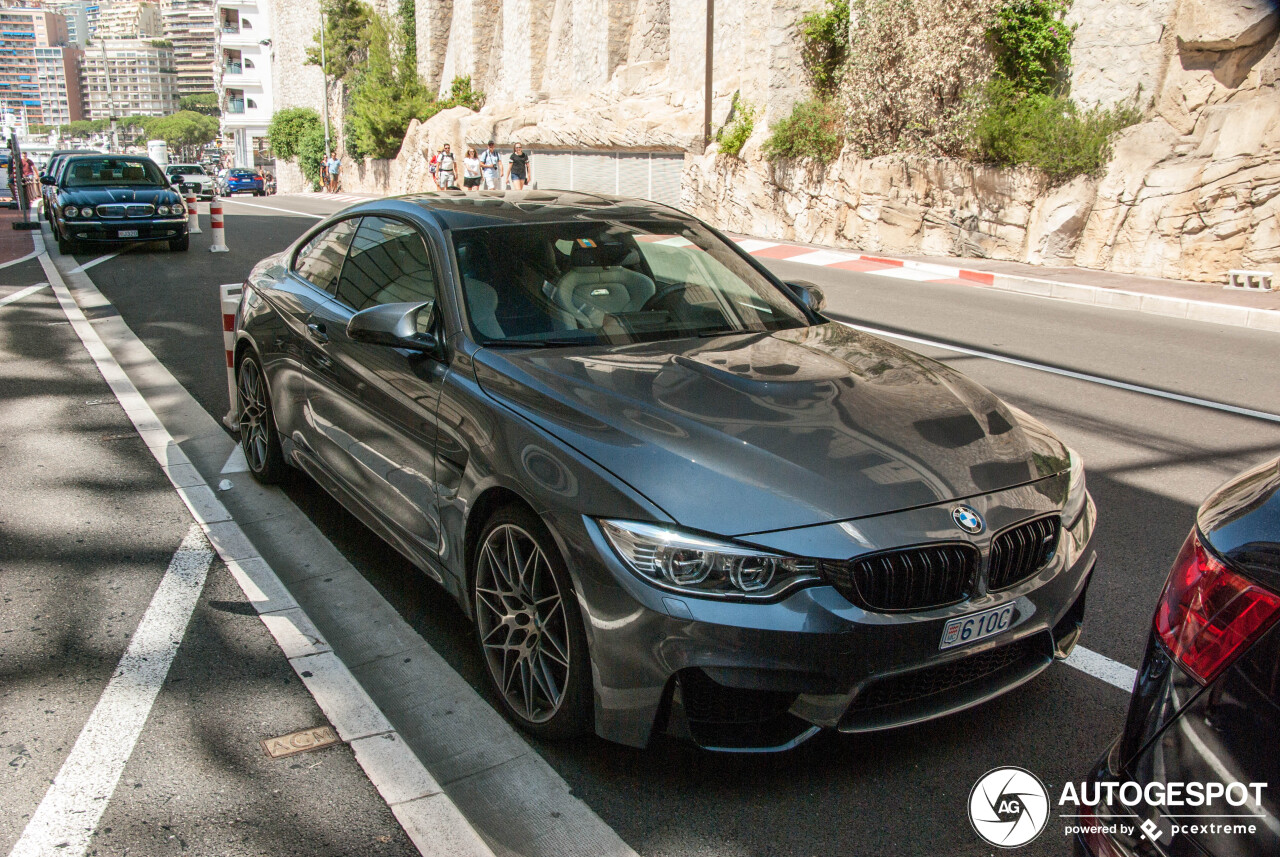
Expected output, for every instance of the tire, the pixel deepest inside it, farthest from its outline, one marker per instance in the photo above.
(534, 647)
(181, 244)
(259, 439)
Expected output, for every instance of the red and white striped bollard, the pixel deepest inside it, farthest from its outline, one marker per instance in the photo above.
(215, 223)
(231, 293)
(193, 215)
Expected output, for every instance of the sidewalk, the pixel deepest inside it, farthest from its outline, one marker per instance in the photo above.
(14, 243)
(1175, 298)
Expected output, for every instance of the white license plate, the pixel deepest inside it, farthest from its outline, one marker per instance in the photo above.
(127, 233)
(964, 630)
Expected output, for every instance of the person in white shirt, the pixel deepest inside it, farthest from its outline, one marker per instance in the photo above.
(471, 170)
(491, 163)
(446, 170)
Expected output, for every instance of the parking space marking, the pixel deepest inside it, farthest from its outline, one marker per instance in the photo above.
(431, 820)
(20, 259)
(98, 261)
(275, 208)
(66, 818)
(236, 462)
(1068, 373)
(19, 295)
(1102, 667)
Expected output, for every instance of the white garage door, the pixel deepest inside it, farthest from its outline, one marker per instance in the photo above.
(648, 175)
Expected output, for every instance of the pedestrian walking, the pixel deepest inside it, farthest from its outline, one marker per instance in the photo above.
(324, 174)
(519, 170)
(491, 166)
(335, 166)
(471, 170)
(447, 169)
(31, 178)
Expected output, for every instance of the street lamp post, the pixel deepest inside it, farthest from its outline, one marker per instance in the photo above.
(324, 75)
(111, 99)
(706, 95)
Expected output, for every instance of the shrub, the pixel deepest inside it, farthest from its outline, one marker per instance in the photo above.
(811, 131)
(1032, 45)
(824, 37)
(462, 95)
(735, 132)
(297, 133)
(1048, 132)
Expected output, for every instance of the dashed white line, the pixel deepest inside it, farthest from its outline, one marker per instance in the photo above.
(66, 818)
(276, 208)
(19, 295)
(1102, 667)
(1068, 373)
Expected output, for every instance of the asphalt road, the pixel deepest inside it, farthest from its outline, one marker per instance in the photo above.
(1150, 461)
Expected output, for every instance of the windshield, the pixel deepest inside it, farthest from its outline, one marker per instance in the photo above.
(612, 282)
(185, 170)
(96, 172)
(243, 174)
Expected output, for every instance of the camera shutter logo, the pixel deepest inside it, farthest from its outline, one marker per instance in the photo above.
(968, 519)
(1008, 807)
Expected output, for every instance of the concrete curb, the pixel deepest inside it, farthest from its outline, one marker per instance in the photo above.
(430, 819)
(1193, 310)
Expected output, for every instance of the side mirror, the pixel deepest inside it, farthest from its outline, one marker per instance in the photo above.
(49, 180)
(809, 294)
(396, 325)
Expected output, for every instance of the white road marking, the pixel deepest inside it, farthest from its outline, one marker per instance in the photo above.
(1067, 373)
(20, 259)
(236, 462)
(903, 273)
(821, 258)
(19, 295)
(276, 208)
(69, 813)
(751, 245)
(1102, 667)
(98, 261)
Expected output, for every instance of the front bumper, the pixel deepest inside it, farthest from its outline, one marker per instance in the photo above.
(764, 676)
(109, 231)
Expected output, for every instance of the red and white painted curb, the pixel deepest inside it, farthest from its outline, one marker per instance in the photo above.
(928, 272)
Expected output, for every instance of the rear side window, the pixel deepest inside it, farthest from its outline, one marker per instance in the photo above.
(388, 264)
(320, 259)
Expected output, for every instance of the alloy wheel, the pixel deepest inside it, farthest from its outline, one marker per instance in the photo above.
(254, 415)
(523, 626)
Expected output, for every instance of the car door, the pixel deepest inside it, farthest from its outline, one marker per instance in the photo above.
(377, 403)
(296, 355)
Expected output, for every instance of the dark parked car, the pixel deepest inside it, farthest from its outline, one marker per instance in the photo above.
(53, 168)
(1205, 710)
(113, 198)
(241, 181)
(670, 494)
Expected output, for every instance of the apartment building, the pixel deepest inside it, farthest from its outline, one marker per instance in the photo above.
(143, 80)
(129, 19)
(58, 74)
(189, 25)
(22, 31)
(244, 76)
(77, 14)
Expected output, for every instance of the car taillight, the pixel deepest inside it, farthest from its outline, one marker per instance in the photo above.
(1208, 614)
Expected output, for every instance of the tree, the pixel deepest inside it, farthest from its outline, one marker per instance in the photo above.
(204, 102)
(387, 95)
(184, 130)
(346, 37)
(298, 134)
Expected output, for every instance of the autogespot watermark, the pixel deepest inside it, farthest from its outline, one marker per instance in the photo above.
(1010, 806)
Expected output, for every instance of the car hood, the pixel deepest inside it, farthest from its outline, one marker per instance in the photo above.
(748, 433)
(123, 193)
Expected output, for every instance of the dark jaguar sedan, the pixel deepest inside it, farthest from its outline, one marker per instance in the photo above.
(669, 492)
(114, 198)
(1201, 732)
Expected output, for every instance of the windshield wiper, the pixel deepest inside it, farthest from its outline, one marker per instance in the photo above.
(537, 343)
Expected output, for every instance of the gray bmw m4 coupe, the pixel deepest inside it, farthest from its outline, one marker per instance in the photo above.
(671, 495)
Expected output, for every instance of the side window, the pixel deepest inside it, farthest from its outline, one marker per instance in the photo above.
(320, 259)
(388, 264)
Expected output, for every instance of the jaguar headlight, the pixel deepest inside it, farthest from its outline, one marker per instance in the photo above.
(162, 210)
(702, 566)
(1077, 494)
(70, 211)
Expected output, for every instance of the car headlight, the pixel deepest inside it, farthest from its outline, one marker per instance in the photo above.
(702, 566)
(70, 211)
(86, 212)
(1077, 495)
(162, 210)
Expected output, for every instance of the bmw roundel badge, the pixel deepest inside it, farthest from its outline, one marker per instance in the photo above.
(968, 519)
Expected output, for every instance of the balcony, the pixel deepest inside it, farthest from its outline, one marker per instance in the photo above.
(233, 68)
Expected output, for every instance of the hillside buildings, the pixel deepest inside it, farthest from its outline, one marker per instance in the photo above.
(143, 79)
(244, 76)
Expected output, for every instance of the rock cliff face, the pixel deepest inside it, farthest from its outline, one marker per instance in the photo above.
(1190, 193)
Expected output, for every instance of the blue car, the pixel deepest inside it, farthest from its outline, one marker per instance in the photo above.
(241, 181)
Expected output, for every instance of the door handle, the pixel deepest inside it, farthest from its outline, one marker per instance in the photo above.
(317, 332)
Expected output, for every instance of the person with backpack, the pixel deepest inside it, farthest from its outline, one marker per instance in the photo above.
(446, 169)
(491, 166)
